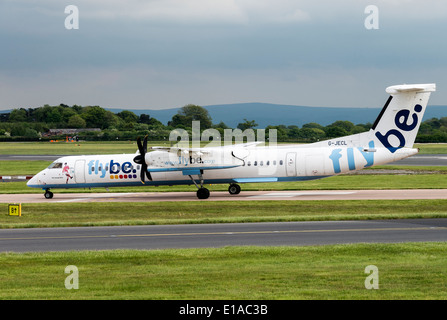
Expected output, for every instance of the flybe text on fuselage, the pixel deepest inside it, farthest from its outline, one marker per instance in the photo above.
(97, 167)
(336, 154)
(185, 161)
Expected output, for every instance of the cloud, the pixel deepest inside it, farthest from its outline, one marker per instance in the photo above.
(168, 11)
(193, 12)
(167, 53)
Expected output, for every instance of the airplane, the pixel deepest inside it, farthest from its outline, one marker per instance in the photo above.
(391, 138)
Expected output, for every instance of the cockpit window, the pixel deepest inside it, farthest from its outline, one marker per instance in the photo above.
(55, 165)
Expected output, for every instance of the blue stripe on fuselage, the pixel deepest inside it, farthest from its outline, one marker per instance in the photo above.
(172, 182)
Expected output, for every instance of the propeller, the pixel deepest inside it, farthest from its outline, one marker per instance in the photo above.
(140, 159)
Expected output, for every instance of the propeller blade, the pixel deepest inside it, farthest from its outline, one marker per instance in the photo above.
(140, 147)
(144, 173)
(141, 159)
(145, 144)
(143, 169)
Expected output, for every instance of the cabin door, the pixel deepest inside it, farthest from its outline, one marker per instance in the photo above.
(79, 174)
(291, 164)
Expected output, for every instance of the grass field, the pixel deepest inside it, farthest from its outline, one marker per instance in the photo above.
(431, 148)
(406, 271)
(78, 148)
(63, 148)
(20, 167)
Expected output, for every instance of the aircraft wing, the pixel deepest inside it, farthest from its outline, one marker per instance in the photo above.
(206, 150)
(194, 161)
(178, 150)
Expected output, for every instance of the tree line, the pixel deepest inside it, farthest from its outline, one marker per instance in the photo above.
(35, 123)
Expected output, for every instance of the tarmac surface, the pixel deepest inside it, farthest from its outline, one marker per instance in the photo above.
(402, 194)
(222, 234)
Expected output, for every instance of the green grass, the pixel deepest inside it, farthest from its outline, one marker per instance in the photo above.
(406, 271)
(143, 213)
(415, 169)
(20, 167)
(63, 148)
(431, 148)
(75, 148)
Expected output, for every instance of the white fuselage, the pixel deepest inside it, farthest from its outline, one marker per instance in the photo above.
(260, 164)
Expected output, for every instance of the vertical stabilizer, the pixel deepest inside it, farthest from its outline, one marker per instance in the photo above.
(398, 122)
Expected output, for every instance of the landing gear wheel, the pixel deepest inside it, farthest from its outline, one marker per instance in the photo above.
(234, 188)
(48, 194)
(203, 193)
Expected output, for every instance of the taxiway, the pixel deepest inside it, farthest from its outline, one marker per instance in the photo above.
(220, 235)
(401, 194)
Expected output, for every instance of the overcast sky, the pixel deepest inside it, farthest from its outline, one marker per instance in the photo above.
(159, 54)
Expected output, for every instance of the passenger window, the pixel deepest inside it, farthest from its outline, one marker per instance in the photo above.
(55, 165)
(261, 163)
(280, 162)
(267, 163)
(248, 163)
(274, 162)
(256, 163)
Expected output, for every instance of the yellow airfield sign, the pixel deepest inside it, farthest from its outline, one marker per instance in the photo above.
(15, 209)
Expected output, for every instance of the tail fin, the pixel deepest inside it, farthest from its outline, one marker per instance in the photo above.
(398, 122)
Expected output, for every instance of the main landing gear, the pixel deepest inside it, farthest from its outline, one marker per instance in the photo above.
(48, 194)
(204, 193)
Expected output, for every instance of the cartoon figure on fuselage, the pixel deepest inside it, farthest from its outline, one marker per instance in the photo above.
(391, 138)
(66, 171)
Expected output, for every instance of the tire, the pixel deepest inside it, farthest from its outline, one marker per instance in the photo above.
(48, 194)
(203, 193)
(234, 188)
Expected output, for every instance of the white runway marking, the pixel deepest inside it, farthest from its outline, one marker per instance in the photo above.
(89, 196)
(298, 194)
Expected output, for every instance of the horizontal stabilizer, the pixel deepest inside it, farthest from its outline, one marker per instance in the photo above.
(428, 87)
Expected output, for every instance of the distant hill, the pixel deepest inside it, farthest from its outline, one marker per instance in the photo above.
(266, 114)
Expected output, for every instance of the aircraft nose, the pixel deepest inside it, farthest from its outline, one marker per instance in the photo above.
(33, 181)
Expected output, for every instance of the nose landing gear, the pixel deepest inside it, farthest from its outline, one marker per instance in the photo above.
(48, 194)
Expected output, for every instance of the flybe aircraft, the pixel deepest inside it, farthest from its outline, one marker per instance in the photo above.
(390, 139)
